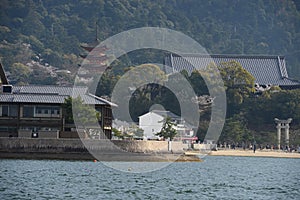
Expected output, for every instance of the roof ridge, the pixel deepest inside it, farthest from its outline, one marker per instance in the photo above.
(102, 99)
(56, 86)
(291, 79)
(229, 55)
(38, 94)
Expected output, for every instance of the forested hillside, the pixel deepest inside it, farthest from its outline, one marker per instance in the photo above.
(38, 37)
(40, 44)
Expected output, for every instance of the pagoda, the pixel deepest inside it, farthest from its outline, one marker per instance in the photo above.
(95, 58)
(95, 63)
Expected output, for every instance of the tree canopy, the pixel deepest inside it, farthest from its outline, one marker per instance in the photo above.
(167, 131)
(50, 32)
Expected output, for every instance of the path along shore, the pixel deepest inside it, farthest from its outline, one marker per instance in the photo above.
(258, 153)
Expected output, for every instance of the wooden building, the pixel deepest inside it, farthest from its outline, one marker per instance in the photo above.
(38, 111)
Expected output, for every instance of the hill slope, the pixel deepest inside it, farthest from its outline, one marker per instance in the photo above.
(48, 33)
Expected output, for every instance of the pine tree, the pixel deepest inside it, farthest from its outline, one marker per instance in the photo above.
(168, 130)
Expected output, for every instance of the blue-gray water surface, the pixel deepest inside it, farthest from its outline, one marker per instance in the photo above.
(215, 178)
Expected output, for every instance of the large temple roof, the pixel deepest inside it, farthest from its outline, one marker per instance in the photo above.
(267, 70)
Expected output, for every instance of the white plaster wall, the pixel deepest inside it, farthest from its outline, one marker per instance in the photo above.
(151, 123)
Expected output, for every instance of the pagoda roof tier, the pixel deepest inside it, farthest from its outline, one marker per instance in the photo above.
(94, 46)
(90, 57)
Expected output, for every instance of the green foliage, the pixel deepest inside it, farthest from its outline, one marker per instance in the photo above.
(52, 31)
(168, 130)
(117, 133)
(68, 113)
(230, 27)
(282, 104)
(235, 130)
(144, 94)
(20, 73)
(86, 116)
(139, 132)
(198, 83)
(239, 84)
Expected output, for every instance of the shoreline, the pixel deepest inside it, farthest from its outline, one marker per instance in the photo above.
(258, 153)
(189, 156)
(113, 157)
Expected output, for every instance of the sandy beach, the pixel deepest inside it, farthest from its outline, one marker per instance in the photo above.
(258, 153)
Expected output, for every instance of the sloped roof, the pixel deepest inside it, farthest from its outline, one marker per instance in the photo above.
(163, 113)
(48, 90)
(50, 94)
(265, 69)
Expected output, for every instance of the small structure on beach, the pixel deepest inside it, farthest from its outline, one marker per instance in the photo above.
(283, 124)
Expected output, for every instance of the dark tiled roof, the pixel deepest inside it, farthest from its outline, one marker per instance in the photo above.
(29, 98)
(265, 69)
(45, 89)
(50, 94)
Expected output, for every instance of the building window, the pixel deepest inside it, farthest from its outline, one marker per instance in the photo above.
(47, 111)
(8, 129)
(4, 111)
(13, 110)
(28, 111)
(9, 110)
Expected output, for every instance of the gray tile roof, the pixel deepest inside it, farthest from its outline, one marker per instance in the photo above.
(49, 94)
(45, 89)
(29, 98)
(265, 69)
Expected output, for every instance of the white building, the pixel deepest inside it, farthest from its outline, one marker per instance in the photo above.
(152, 123)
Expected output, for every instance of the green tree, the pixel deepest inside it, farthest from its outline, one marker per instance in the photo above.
(117, 133)
(86, 115)
(20, 73)
(239, 84)
(168, 130)
(235, 130)
(139, 132)
(68, 113)
(134, 86)
(198, 83)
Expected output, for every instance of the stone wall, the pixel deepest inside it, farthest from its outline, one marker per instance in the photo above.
(149, 146)
(76, 145)
(40, 134)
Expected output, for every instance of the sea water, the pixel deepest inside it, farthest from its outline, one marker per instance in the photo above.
(216, 178)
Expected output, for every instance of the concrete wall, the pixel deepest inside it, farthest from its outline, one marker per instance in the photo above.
(77, 145)
(41, 134)
(24, 134)
(203, 146)
(149, 146)
(68, 134)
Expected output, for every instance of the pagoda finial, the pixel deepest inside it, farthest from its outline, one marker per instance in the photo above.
(96, 31)
(3, 77)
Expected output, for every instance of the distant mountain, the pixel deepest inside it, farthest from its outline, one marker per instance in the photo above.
(47, 34)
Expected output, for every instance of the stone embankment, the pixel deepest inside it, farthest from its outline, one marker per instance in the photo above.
(106, 150)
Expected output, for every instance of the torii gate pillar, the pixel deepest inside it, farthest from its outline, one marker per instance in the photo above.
(286, 125)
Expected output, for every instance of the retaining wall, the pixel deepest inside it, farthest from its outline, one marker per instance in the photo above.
(52, 145)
